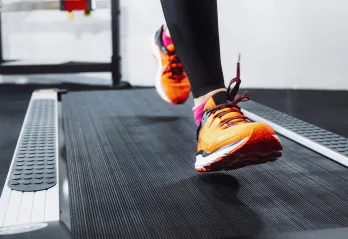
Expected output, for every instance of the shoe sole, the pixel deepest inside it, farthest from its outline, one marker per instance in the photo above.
(158, 83)
(260, 147)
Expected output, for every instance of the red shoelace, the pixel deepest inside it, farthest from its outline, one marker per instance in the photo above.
(232, 103)
(174, 68)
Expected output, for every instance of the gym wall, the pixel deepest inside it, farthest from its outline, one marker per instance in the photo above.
(284, 43)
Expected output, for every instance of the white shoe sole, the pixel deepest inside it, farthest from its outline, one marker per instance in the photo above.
(158, 79)
(204, 161)
(232, 158)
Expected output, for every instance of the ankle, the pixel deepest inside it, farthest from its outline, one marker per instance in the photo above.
(166, 39)
(166, 31)
(204, 98)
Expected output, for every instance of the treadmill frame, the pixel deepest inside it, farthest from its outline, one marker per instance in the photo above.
(74, 67)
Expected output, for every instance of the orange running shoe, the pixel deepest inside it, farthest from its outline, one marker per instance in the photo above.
(172, 83)
(227, 139)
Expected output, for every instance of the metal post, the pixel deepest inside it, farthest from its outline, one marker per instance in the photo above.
(115, 41)
(1, 56)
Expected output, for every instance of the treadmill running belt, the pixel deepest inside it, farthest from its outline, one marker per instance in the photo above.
(131, 173)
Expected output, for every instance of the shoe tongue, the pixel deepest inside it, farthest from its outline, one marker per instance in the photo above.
(170, 48)
(217, 99)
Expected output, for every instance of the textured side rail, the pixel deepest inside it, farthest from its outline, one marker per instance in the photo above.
(34, 167)
(322, 141)
(31, 190)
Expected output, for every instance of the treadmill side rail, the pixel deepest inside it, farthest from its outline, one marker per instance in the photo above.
(36, 230)
(31, 191)
(317, 139)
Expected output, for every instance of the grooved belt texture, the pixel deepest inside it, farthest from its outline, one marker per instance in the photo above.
(131, 171)
(328, 139)
(34, 167)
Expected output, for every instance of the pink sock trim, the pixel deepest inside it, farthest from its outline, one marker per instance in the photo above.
(198, 113)
(166, 40)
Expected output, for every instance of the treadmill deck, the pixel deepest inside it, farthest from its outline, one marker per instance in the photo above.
(130, 159)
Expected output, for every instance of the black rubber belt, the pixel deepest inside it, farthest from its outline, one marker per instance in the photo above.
(131, 167)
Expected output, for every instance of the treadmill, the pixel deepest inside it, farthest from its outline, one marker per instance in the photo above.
(120, 164)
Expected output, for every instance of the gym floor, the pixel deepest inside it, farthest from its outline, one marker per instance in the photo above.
(326, 109)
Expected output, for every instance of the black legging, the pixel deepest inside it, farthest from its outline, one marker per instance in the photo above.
(193, 26)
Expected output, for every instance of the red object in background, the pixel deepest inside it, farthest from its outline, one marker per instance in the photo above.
(75, 5)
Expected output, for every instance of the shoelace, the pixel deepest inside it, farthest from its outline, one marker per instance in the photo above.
(232, 103)
(175, 68)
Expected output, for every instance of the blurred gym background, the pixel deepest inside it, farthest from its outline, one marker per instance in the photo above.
(284, 44)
